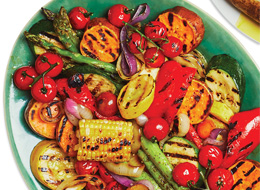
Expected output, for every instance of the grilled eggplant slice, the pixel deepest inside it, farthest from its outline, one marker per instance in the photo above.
(98, 84)
(101, 40)
(50, 165)
(197, 102)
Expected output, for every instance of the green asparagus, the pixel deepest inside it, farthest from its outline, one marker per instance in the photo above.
(154, 171)
(64, 30)
(155, 154)
(146, 176)
(75, 57)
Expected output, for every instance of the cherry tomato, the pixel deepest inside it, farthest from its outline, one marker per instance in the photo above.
(22, 77)
(44, 93)
(43, 62)
(155, 30)
(114, 185)
(204, 128)
(156, 128)
(153, 57)
(107, 104)
(212, 153)
(86, 167)
(172, 47)
(185, 172)
(117, 14)
(79, 18)
(137, 43)
(220, 179)
(105, 175)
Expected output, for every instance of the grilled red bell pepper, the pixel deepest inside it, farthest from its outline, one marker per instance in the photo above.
(243, 137)
(193, 136)
(81, 94)
(171, 86)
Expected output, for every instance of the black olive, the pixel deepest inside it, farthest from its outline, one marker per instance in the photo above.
(77, 80)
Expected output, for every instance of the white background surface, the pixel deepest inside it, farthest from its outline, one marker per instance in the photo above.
(14, 15)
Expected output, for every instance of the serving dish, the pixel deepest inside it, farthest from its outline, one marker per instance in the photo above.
(216, 41)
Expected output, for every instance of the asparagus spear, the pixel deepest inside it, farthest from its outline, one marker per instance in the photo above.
(76, 57)
(66, 34)
(146, 176)
(154, 171)
(155, 154)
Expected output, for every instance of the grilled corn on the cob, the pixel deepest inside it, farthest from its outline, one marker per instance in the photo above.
(105, 140)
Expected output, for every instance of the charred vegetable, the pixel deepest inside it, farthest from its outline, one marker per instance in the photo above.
(184, 24)
(243, 137)
(43, 118)
(50, 165)
(136, 96)
(104, 140)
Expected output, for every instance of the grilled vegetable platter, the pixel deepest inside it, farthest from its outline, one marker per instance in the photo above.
(127, 95)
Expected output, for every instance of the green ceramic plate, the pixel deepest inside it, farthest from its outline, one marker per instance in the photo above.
(216, 41)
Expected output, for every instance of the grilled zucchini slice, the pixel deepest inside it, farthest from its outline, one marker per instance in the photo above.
(226, 80)
(179, 150)
(50, 165)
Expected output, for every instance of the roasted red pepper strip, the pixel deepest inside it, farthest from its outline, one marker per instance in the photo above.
(243, 137)
(171, 86)
(193, 136)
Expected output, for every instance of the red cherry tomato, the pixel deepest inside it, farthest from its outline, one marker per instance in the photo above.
(114, 185)
(156, 128)
(107, 104)
(21, 78)
(105, 176)
(172, 47)
(185, 172)
(137, 43)
(220, 179)
(153, 57)
(212, 153)
(43, 62)
(117, 14)
(79, 18)
(44, 93)
(155, 30)
(86, 167)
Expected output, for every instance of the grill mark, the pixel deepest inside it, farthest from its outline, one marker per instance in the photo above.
(90, 44)
(234, 170)
(92, 37)
(32, 114)
(89, 53)
(236, 184)
(166, 86)
(232, 125)
(43, 169)
(109, 33)
(50, 36)
(234, 138)
(250, 171)
(256, 181)
(175, 155)
(235, 91)
(210, 79)
(62, 128)
(97, 88)
(246, 147)
(179, 144)
(113, 55)
(170, 18)
(68, 148)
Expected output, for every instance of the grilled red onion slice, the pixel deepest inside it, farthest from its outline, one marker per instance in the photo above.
(128, 63)
(221, 144)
